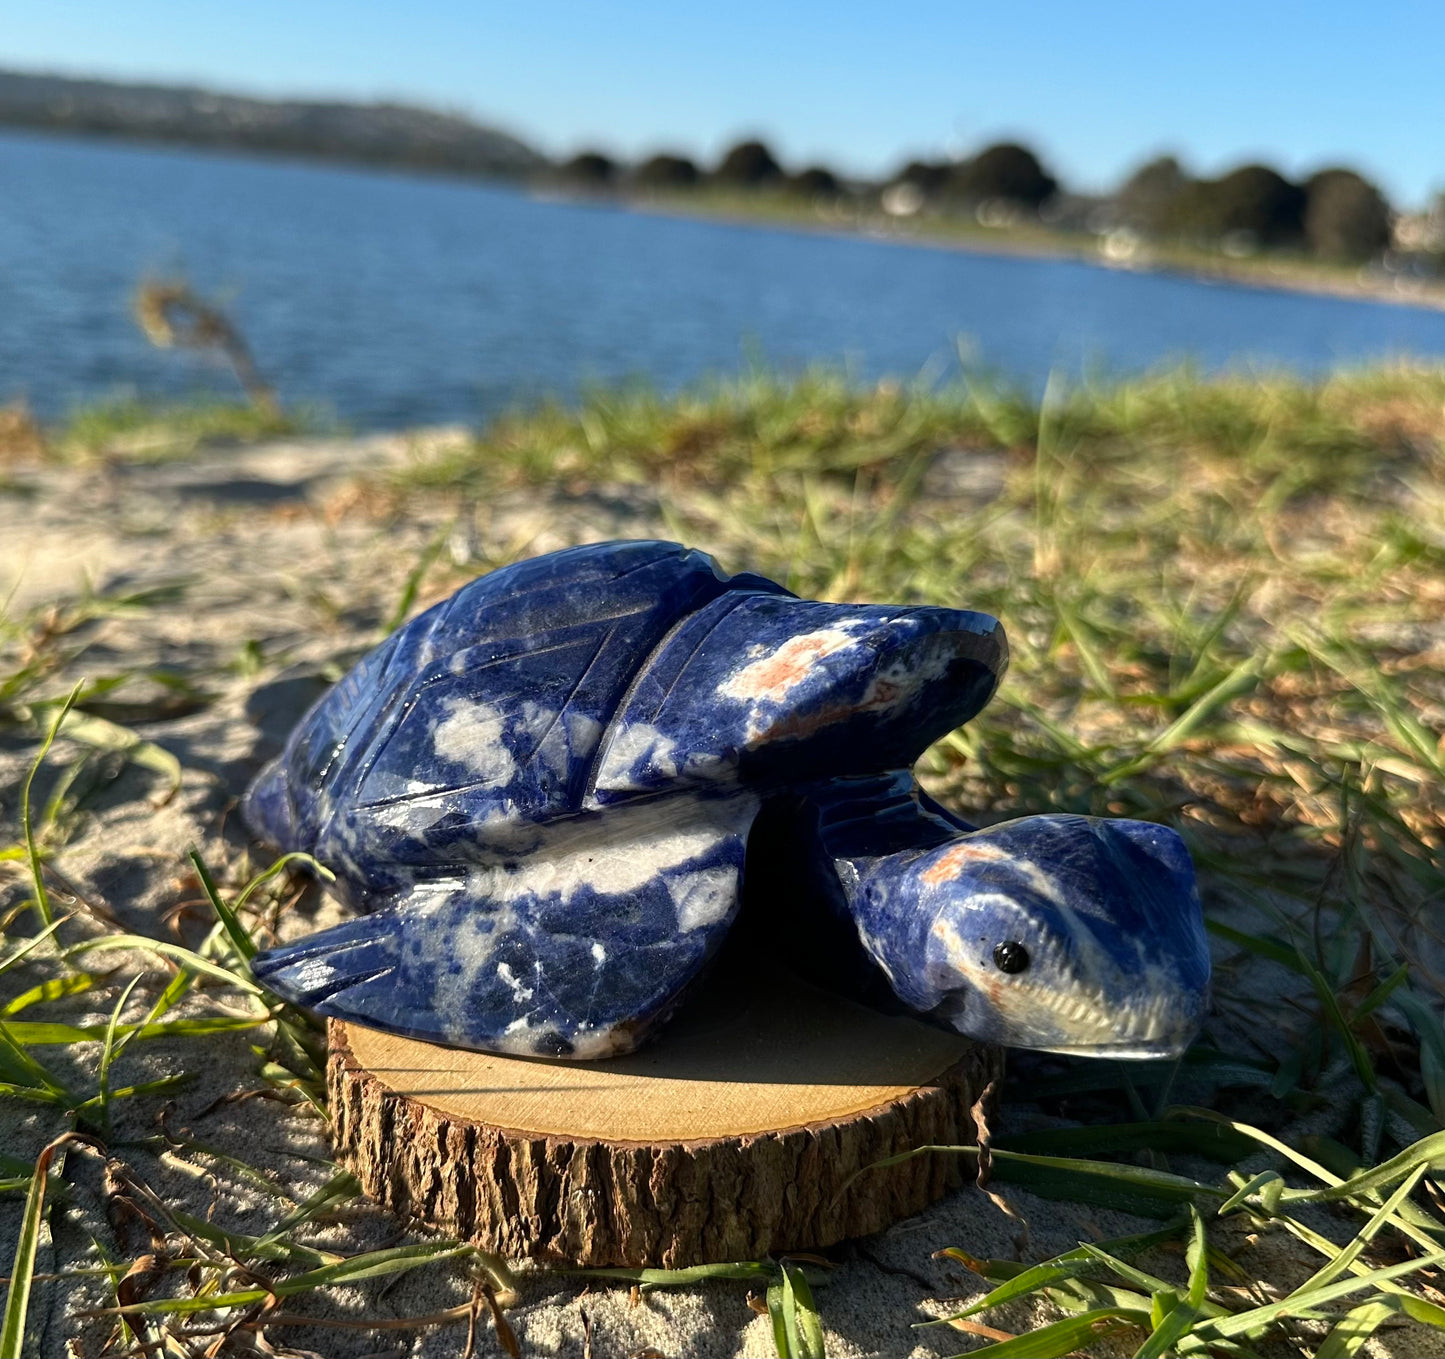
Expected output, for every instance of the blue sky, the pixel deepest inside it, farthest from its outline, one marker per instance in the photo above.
(860, 86)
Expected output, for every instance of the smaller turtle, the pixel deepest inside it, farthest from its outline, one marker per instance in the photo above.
(541, 794)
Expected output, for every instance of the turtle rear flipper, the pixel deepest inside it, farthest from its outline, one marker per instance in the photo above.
(577, 952)
(333, 962)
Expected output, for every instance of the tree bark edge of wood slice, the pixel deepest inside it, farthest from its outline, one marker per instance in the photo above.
(595, 1200)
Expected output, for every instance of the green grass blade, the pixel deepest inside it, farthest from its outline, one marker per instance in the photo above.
(1382, 992)
(101, 734)
(426, 559)
(22, 950)
(107, 1052)
(340, 1188)
(1086, 1177)
(175, 991)
(1418, 1309)
(776, 1315)
(22, 1270)
(1088, 651)
(1311, 1167)
(248, 1248)
(1238, 682)
(1242, 1323)
(1267, 1184)
(1428, 1152)
(176, 953)
(159, 1086)
(22, 1069)
(1181, 1318)
(648, 1279)
(278, 867)
(1087, 1295)
(72, 984)
(33, 1094)
(1061, 1267)
(1139, 1278)
(803, 1327)
(1266, 948)
(34, 1033)
(27, 819)
(205, 1302)
(236, 932)
(1330, 1003)
(1166, 1135)
(1366, 1234)
(1349, 1336)
(372, 1264)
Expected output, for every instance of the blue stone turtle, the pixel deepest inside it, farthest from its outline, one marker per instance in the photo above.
(541, 794)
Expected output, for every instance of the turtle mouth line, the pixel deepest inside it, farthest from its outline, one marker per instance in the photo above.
(1085, 1025)
(1121, 1051)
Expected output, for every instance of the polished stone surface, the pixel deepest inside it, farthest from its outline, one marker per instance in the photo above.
(541, 793)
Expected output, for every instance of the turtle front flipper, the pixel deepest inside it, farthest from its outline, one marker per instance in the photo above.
(579, 950)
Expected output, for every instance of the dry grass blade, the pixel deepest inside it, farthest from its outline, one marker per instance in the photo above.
(1065, 1337)
(353, 1269)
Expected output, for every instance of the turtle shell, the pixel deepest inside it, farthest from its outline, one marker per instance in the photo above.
(542, 787)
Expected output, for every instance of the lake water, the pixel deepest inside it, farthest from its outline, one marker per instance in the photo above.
(394, 299)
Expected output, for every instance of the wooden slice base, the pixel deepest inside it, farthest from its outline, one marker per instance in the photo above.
(727, 1139)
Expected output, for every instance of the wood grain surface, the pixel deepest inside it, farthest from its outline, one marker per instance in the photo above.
(736, 1134)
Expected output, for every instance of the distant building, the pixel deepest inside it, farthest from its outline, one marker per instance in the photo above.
(1421, 232)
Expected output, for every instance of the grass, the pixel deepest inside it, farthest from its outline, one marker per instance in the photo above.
(137, 430)
(1224, 600)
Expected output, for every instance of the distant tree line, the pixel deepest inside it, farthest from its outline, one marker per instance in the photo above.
(1334, 214)
(748, 165)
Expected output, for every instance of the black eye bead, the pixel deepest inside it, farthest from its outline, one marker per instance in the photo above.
(1010, 957)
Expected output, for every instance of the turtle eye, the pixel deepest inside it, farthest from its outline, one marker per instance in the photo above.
(1010, 956)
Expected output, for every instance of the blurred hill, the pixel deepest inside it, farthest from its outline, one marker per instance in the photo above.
(386, 134)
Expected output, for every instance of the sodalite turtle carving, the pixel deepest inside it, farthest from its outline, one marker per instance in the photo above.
(541, 793)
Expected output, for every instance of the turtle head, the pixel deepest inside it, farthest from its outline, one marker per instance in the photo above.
(1062, 933)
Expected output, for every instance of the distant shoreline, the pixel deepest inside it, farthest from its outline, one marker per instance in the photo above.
(1270, 274)
(411, 139)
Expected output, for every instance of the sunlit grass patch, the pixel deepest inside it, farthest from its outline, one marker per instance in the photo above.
(136, 430)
